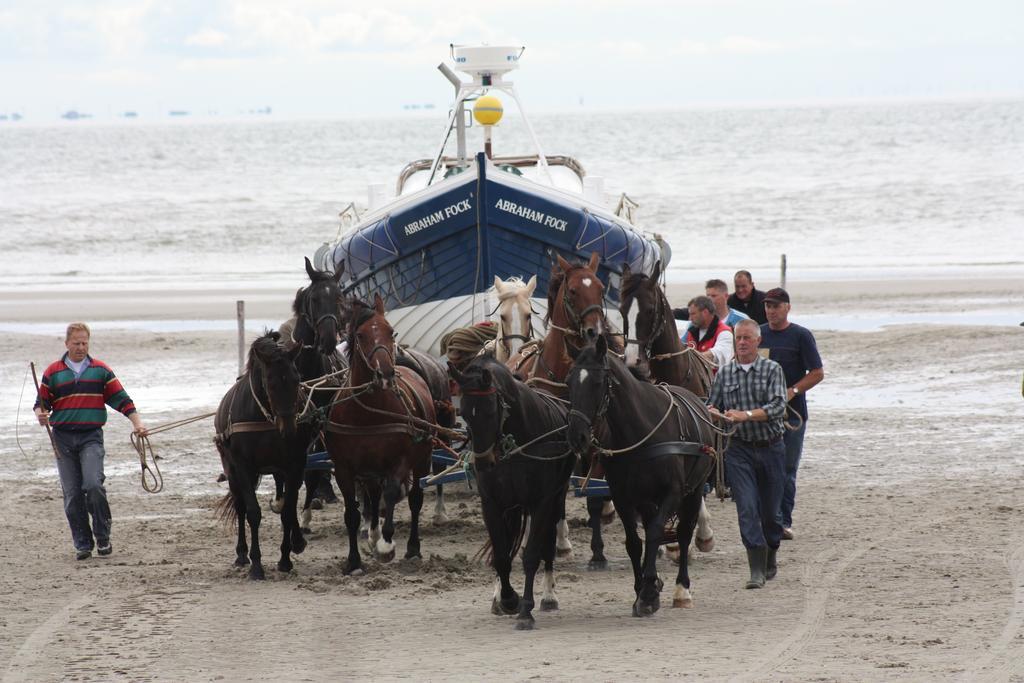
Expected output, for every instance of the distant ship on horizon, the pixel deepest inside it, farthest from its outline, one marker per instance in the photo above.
(74, 115)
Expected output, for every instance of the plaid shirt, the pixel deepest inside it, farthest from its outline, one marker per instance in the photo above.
(762, 386)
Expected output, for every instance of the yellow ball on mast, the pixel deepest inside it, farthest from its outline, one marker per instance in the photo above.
(488, 110)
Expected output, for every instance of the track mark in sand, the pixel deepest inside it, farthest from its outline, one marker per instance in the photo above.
(1005, 664)
(818, 592)
(35, 644)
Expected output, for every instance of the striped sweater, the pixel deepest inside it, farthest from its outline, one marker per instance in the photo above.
(78, 404)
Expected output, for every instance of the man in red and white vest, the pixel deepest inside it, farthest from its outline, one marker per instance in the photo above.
(709, 335)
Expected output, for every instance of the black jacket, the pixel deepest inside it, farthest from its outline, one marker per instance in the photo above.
(753, 307)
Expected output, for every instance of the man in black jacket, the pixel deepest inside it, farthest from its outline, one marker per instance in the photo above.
(747, 299)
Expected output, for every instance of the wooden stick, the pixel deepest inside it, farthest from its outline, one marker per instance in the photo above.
(49, 432)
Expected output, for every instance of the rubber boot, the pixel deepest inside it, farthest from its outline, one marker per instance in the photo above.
(773, 565)
(758, 559)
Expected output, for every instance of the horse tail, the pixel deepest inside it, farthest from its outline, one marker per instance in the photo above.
(486, 552)
(225, 510)
(517, 542)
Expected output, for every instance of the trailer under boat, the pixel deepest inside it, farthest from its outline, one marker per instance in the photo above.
(459, 221)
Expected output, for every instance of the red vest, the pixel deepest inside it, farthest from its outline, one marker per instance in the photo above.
(709, 343)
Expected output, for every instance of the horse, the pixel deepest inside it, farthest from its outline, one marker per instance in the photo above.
(432, 371)
(521, 472)
(375, 435)
(661, 352)
(574, 317)
(258, 432)
(655, 445)
(515, 315)
(318, 324)
(662, 355)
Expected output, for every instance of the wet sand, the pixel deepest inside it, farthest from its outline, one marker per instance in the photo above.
(908, 562)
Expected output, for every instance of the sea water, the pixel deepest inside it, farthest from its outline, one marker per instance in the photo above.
(870, 190)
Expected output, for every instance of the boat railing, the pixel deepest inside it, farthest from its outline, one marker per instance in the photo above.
(525, 161)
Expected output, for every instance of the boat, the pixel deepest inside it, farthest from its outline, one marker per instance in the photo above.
(457, 221)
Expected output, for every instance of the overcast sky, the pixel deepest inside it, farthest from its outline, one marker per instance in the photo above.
(320, 57)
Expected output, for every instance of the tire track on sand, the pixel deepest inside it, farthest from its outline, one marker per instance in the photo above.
(819, 588)
(1008, 666)
(35, 644)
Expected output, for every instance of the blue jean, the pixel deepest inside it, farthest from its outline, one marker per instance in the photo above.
(80, 466)
(756, 476)
(794, 449)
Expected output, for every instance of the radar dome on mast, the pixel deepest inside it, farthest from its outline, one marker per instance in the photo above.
(486, 64)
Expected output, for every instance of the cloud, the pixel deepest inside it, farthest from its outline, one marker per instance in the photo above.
(207, 37)
(746, 45)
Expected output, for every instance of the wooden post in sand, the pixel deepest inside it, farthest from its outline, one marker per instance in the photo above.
(782, 274)
(240, 314)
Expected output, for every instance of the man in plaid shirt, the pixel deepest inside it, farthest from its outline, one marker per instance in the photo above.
(751, 393)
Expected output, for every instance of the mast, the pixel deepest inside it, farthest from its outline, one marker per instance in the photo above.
(486, 65)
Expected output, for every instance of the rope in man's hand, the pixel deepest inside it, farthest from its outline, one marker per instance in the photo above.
(152, 479)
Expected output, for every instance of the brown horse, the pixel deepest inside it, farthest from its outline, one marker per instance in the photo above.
(575, 318)
(661, 351)
(375, 435)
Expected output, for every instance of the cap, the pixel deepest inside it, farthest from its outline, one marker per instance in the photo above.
(778, 294)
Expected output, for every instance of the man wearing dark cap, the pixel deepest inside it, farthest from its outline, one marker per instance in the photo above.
(793, 347)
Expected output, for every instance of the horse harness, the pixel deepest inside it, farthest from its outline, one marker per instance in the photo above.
(506, 446)
(264, 425)
(640, 452)
(412, 401)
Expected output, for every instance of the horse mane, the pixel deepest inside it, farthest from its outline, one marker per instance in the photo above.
(361, 312)
(630, 285)
(267, 346)
(554, 284)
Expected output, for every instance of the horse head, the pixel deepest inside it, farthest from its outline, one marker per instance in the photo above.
(371, 344)
(651, 312)
(316, 310)
(515, 311)
(589, 391)
(580, 301)
(483, 404)
(275, 374)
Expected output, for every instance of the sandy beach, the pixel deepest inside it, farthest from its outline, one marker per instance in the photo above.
(908, 561)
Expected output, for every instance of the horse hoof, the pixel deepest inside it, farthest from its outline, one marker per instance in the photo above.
(298, 545)
(364, 534)
(441, 518)
(256, 573)
(316, 504)
(285, 567)
(597, 565)
(241, 562)
(563, 552)
(548, 605)
(705, 545)
(277, 505)
(503, 609)
(386, 557)
(680, 602)
(358, 571)
(524, 624)
(413, 555)
(644, 609)
(306, 530)
(607, 519)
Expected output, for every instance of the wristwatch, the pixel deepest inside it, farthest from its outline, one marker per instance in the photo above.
(796, 390)
(750, 414)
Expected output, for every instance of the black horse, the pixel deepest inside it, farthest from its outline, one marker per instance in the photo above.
(522, 467)
(315, 335)
(258, 433)
(655, 445)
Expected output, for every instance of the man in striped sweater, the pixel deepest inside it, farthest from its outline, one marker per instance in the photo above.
(73, 396)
